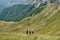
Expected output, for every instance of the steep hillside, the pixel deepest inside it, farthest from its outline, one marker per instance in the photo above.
(18, 12)
(12, 26)
(15, 12)
(46, 22)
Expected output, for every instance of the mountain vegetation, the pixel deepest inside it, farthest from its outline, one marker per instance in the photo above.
(20, 11)
(16, 12)
(44, 20)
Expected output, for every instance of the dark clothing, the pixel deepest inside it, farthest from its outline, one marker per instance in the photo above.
(30, 32)
(26, 31)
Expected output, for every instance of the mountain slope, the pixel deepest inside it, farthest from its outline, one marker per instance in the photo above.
(15, 13)
(47, 22)
(18, 12)
(6, 26)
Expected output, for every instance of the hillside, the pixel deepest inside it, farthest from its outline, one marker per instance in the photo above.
(6, 26)
(46, 22)
(19, 11)
(15, 12)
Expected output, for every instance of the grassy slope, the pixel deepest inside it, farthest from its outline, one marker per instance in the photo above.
(8, 27)
(25, 37)
(47, 22)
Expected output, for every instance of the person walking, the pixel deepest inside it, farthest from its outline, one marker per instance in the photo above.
(27, 31)
(32, 31)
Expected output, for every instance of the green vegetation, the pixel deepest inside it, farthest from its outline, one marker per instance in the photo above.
(18, 12)
(25, 37)
(46, 24)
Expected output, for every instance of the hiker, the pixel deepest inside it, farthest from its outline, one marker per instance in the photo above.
(27, 31)
(32, 32)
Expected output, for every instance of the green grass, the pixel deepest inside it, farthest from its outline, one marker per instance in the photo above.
(42, 22)
(46, 25)
(27, 37)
